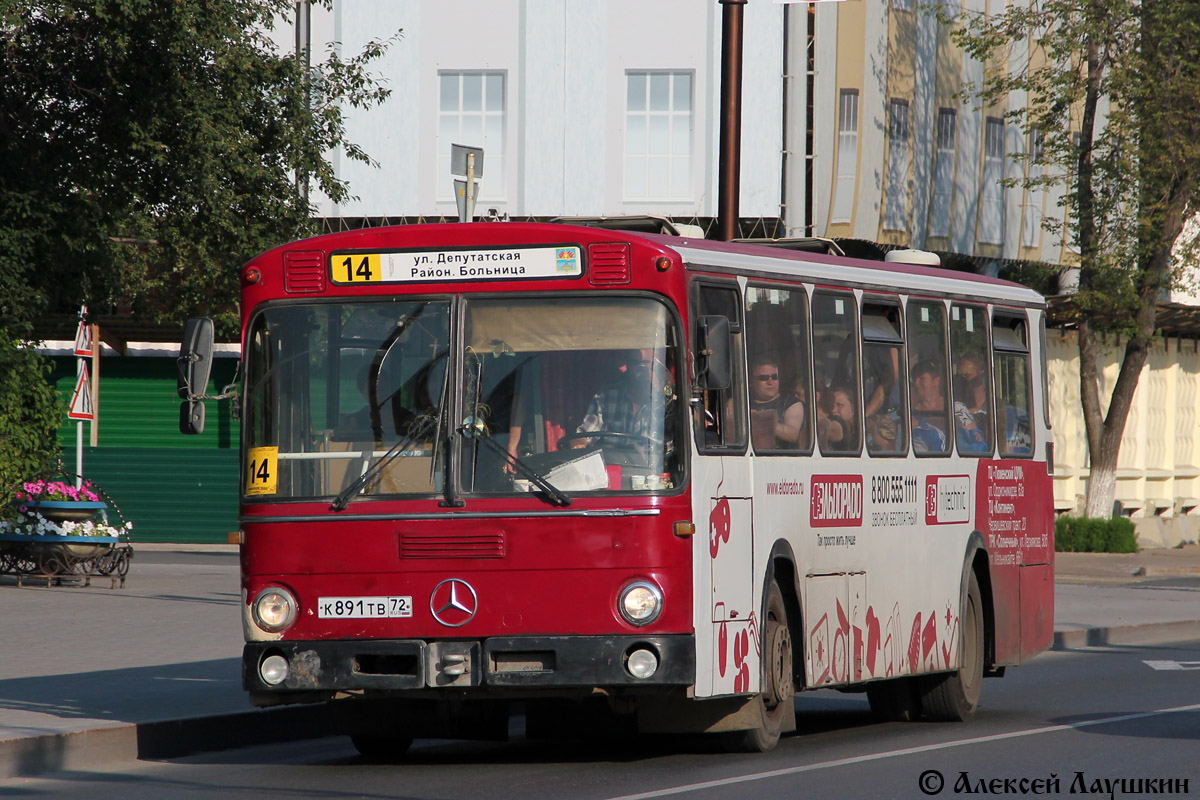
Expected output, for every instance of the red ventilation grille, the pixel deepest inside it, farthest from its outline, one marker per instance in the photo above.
(608, 264)
(441, 545)
(304, 273)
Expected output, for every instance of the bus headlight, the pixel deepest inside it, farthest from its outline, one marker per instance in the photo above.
(273, 670)
(642, 662)
(274, 609)
(640, 603)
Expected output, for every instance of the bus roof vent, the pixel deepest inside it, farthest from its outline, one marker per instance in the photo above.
(608, 264)
(303, 272)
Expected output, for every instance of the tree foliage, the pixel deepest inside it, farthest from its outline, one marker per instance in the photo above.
(147, 151)
(150, 149)
(1113, 90)
(30, 412)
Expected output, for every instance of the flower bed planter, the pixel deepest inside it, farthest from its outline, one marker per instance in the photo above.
(62, 533)
(64, 510)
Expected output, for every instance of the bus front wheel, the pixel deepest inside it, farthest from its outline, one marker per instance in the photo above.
(954, 696)
(775, 700)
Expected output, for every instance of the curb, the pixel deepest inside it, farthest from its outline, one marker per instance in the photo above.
(97, 748)
(1150, 633)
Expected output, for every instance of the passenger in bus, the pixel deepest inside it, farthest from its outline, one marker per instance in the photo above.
(968, 432)
(776, 419)
(970, 368)
(928, 408)
(881, 386)
(1018, 438)
(836, 430)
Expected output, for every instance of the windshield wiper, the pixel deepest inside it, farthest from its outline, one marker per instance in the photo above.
(420, 427)
(556, 495)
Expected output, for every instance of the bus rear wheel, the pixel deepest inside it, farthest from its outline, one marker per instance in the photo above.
(954, 696)
(775, 700)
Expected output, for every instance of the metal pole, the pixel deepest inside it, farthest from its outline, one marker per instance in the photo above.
(94, 428)
(729, 159)
(470, 188)
(78, 433)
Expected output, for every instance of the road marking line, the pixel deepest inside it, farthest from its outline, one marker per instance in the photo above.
(1170, 665)
(908, 751)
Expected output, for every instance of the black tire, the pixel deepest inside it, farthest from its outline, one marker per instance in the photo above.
(778, 689)
(954, 696)
(381, 748)
(896, 700)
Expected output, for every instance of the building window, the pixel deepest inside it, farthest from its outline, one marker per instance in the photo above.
(847, 156)
(658, 136)
(943, 175)
(991, 205)
(1031, 225)
(471, 112)
(895, 216)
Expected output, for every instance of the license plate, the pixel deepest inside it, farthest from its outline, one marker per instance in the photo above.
(364, 607)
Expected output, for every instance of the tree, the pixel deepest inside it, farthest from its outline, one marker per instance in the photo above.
(30, 411)
(147, 151)
(1114, 93)
(150, 149)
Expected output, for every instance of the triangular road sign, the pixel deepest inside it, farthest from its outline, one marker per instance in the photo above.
(83, 339)
(81, 401)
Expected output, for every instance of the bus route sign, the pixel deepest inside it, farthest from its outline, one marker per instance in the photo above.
(416, 266)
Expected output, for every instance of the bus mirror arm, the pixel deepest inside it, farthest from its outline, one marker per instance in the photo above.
(556, 495)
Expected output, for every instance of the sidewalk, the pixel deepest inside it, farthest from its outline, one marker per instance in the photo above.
(100, 675)
(1134, 598)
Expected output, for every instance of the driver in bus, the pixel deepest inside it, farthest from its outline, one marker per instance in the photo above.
(628, 405)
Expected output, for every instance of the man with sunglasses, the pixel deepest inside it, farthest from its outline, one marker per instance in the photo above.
(776, 419)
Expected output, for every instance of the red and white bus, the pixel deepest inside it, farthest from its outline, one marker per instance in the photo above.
(574, 467)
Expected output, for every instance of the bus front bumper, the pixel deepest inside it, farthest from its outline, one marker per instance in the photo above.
(502, 663)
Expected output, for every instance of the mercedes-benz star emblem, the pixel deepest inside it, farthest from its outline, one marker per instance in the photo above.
(453, 603)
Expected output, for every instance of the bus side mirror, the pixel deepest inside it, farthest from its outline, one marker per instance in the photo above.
(195, 357)
(195, 366)
(712, 361)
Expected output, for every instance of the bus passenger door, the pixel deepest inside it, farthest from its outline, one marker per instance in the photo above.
(726, 613)
(731, 550)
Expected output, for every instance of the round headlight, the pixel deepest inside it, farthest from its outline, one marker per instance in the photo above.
(642, 663)
(274, 609)
(274, 670)
(640, 603)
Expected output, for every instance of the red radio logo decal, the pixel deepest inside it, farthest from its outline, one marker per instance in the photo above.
(837, 501)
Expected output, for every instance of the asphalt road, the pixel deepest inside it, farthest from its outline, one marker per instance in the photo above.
(1079, 718)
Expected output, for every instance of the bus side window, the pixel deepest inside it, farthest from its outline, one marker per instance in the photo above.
(971, 381)
(835, 372)
(780, 379)
(883, 368)
(719, 414)
(929, 378)
(1010, 342)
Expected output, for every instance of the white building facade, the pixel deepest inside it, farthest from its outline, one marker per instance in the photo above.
(583, 107)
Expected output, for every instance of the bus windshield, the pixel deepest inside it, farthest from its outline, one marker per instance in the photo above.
(334, 386)
(580, 390)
